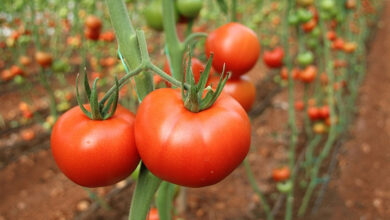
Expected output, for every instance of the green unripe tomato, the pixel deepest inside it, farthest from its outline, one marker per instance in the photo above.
(327, 5)
(19, 79)
(312, 42)
(316, 32)
(305, 2)
(306, 58)
(63, 12)
(304, 15)
(293, 19)
(189, 8)
(284, 187)
(154, 15)
(60, 66)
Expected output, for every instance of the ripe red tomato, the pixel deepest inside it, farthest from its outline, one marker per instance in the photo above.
(338, 44)
(299, 105)
(310, 25)
(95, 153)
(93, 22)
(281, 174)
(92, 34)
(324, 112)
(308, 74)
(314, 113)
(331, 35)
(15, 70)
(242, 90)
(234, 45)
(44, 59)
(274, 58)
(295, 73)
(153, 214)
(187, 148)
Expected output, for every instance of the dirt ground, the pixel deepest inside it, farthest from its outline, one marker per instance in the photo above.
(33, 188)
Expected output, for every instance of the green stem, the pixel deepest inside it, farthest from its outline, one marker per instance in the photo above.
(147, 184)
(164, 200)
(306, 116)
(145, 189)
(254, 186)
(128, 45)
(175, 47)
(46, 85)
(291, 111)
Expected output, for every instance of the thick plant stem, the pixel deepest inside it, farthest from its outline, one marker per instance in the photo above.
(145, 189)
(252, 181)
(164, 199)
(128, 45)
(147, 184)
(291, 112)
(175, 47)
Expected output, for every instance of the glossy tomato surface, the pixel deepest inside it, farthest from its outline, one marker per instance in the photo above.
(191, 149)
(95, 153)
(234, 45)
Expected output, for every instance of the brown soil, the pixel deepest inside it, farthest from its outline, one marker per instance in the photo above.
(33, 188)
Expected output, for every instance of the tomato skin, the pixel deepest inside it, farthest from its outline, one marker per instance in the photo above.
(242, 90)
(281, 174)
(189, 8)
(191, 149)
(274, 58)
(94, 153)
(234, 45)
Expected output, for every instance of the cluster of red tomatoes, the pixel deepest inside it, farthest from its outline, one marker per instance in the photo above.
(187, 148)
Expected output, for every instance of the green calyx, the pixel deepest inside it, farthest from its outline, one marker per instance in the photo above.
(99, 110)
(194, 98)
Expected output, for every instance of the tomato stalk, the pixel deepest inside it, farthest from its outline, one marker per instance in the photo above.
(291, 111)
(252, 182)
(146, 187)
(175, 48)
(147, 183)
(164, 200)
